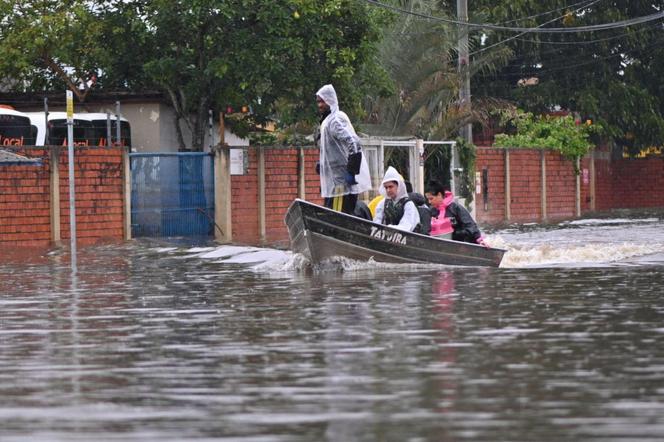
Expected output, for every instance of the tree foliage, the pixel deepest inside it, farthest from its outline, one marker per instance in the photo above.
(268, 55)
(612, 77)
(421, 58)
(564, 134)
(47, 45)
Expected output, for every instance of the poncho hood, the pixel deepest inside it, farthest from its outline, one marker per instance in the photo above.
(392, 175)
(329, 96)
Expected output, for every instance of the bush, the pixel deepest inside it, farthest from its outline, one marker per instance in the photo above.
(563, 134)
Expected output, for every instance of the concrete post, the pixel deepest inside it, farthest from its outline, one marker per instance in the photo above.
(261, 193)
(222, 194)
(577, 196)
(54, 181)
(419, 147)
(543, 192)
(126, 194)
(592, 182)
(301, 171)
(508, 196)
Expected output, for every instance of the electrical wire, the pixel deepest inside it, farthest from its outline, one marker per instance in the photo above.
(523, 33)
(589, 28)
(543, 13)
(587, 42)
(508, 74)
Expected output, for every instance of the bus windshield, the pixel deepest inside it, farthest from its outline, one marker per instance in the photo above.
(88, 132)
(16, 130)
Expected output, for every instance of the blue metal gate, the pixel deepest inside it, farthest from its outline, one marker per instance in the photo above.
(172, 194)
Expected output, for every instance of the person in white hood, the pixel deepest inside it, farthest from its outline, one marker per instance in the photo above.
(396, 209)
(344, 172)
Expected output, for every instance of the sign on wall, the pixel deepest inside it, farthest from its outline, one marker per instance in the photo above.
(239, 161)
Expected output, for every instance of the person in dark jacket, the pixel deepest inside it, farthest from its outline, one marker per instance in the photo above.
(453, 216)
(423, 208)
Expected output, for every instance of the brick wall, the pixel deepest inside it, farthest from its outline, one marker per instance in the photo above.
(98, 180)
(25, 197)
(281, 188)
(24, 201)
(561, 187)
(491, 206)
(638, 182)
(604, 181)
(619, 183)
(244, 202)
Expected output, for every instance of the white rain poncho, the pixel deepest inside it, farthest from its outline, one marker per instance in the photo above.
(411, 217)
(337, 141)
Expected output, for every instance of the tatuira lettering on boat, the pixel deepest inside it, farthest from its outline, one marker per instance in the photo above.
(396, 237)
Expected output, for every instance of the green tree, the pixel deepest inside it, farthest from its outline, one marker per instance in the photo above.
(564, 134)
(612, 77)
(421, 57)
(269, 55)
(49, 45)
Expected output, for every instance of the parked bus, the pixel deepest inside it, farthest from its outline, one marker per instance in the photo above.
(16, 128)
(90, 129)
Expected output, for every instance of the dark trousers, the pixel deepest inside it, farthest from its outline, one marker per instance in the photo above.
(346, 203)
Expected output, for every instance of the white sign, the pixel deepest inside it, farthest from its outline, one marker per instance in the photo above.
(237, 161)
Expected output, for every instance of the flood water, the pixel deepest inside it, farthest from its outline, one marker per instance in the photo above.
(160, 341)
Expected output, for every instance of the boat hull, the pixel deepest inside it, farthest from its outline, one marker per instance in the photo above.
(320, 233)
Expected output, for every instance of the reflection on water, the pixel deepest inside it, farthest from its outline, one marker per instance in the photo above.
(155, 342)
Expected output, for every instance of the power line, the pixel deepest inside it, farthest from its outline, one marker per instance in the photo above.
(587, 42)
(504, 74)
(590, 28)
(523, 33)
(544, 13)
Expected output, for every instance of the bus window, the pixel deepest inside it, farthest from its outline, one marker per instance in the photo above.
(101, 132)
(83, 132)
(15, 129)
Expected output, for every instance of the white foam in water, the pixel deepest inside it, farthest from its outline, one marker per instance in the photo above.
(592, 221)
(579, 243)
(199, 249)
(226, 251)
(272, 256)
(165, 249)
(552, 254)
(262, 258)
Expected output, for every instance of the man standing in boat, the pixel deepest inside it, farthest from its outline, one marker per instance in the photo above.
(344, 172)
(396, 209)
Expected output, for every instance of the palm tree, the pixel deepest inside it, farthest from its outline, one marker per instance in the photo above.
(420, 56)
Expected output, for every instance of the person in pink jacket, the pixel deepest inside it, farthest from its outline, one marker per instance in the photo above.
(453, 220)
(441, 226)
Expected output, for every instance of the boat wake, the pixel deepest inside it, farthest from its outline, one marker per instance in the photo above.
(579, 255)
(581, 243)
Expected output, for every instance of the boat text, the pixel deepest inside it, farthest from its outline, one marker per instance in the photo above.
(396, 237)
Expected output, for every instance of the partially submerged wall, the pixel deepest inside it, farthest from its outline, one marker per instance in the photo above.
(530, 185)
(29, 212)
(516, 185)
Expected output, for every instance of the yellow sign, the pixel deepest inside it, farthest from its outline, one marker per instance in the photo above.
(70, 105)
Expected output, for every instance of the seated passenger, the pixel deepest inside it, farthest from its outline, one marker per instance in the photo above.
(454, 221)
(362, 210)
(396, 210)
(423, 208)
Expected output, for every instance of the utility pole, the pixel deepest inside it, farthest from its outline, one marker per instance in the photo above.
(464, 69)
(466, 131)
